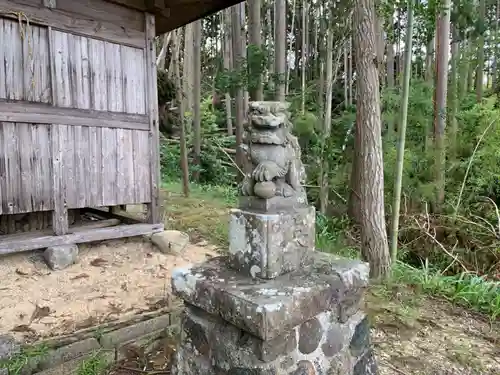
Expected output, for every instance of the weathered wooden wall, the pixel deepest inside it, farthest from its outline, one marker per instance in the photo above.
(100, 166)
(76, 119)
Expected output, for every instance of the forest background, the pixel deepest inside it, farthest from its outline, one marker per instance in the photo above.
(396, 108)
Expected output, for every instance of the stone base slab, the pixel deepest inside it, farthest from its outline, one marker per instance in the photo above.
(321, 345)
(270, 308)
(267, 245)
(272, 205)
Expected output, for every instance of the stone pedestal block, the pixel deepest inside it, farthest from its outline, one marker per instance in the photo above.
(306, 322)
(267, 245)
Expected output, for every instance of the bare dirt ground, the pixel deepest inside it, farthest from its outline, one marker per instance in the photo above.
(112, 279)
(417, 335)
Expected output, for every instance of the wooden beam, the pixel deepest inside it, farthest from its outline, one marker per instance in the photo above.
(87, 235)
(99, 10)
(72, 229)
(60, 222)
(184, 12)
(60, 213)
(66, 21)
(154, 131)
(39, 113)
(176, 13)
(123, 217)
(152, 5)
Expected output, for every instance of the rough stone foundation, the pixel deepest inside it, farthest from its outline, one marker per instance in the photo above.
(111, 341)
(305, 322)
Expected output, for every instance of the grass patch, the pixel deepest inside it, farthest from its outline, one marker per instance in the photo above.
(330, 237)
(27, 357)
(466, 289)
(96, 364)
(203, 215)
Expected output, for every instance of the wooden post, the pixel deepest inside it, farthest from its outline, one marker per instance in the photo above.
(154, 138)
(60, 223)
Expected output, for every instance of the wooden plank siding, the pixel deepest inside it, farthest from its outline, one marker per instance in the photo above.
(152, 95)
(78, 122)
(99, 166)
(92, 18)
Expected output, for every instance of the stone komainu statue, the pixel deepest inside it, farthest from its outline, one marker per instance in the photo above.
(274, 168)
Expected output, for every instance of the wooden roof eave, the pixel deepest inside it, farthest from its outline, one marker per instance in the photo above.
(172, 14)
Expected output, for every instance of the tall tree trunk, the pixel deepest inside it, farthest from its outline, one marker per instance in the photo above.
(255, 30)
(453, 93)
(271, 48)
(227, 65)
(316, 13)
(496, 50)
(280, 48)
(380, 48)
(321, 91)
(442, 55)
(187, 73)
(402, 133)
(243, 40)
(464, 70)
(303, 58)
(197, 98)
(350, 75)
(390, 65)
(160, 59)
(398, 62)
(180, 106)
(391, 123)
(176, 50)
(429, 59)
(374, 247)
(472, 63)
(287, 81)
(346, 67)
(327, 124)
(239, 92)
(480, 55)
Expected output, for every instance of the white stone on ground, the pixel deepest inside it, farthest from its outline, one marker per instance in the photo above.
(170, 241)
(60, 257)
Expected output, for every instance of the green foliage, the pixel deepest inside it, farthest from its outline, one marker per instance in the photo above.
(215, 163)
(166, 88)
(484, 172)
(257, 63)
(467, 289)
(96, 364)
(27, 356)
(246, 76)
(330, 236)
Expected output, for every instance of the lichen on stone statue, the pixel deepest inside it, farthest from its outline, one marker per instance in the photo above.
(274, 170)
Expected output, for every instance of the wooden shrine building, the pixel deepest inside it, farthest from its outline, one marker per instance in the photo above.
(79, 116)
